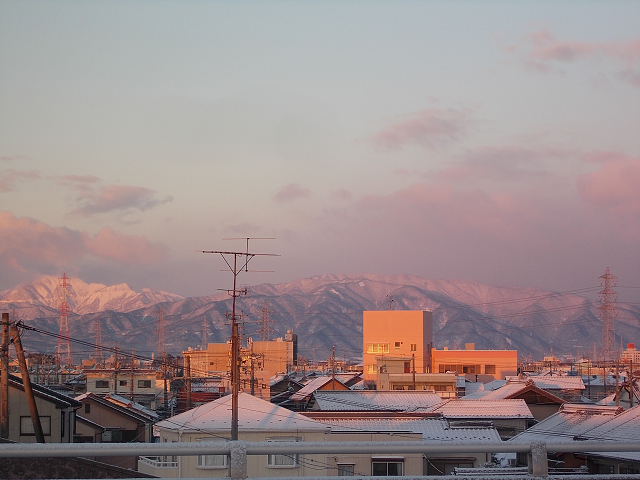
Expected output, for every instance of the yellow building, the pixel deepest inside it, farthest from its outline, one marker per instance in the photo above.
(397, 333)
(482, 365)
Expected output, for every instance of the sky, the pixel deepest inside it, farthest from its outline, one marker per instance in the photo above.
(487, 141)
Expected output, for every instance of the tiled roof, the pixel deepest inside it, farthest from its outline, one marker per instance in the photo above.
(254, 414)
(509, 408)
(553, 382)
(436, 429)
(373, 400)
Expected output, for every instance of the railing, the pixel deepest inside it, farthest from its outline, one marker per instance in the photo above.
(238, 450)
(160, 462)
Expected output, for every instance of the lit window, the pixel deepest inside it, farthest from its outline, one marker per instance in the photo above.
(397, 345)
(371, 369)
(377, 348)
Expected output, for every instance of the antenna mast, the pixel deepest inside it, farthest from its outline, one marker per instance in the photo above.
(64, 350)
(235, 267)
(608, 312)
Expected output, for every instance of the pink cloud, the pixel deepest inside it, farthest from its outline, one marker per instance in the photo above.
(11, 158)
(543, 51)
(9, 178)
(291, 192)
(28, 245)
(112, 245)
(615, 187)
(114, 198)
(430, 128)
(342, 194)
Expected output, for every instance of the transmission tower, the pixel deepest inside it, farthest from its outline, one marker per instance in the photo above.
(205, 342)
(608, 313)
(98, 356)
(265, 330)
(64, 350)
(162, 350)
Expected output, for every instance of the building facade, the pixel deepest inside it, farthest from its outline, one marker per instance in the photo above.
(396, 333)
(476, 365)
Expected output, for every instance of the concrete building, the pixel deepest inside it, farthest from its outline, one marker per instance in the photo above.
(398, 373)
(396, 333)
(476, 365)
(140, 382)
(630, 355)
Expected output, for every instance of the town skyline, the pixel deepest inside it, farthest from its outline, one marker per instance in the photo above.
(478, 141)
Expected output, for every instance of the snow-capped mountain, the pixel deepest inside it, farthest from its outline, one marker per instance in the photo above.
(325, 311)
(82, 298)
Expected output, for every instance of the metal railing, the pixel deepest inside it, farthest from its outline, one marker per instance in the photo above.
(239, 450)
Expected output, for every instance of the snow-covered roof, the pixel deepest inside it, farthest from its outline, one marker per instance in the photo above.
(572, 420)
(432, 429)
(510, 408)
(510, 390)
(311, 387)
(552, 382)
(374, 400)
(254, 414)
(125, 402)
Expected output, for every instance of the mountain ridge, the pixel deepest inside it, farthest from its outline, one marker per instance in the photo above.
(326, 311)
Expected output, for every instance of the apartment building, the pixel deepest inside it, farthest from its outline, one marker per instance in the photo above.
(397, 333)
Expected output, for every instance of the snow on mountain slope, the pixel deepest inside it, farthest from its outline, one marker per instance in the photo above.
(82, 298)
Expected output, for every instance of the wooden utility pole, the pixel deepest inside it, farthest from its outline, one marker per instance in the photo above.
(131, 389)
(4, 378)
(26, 383)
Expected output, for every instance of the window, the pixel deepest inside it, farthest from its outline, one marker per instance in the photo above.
(397, 345)
(371, 369)
(407, 367)
(123, 383)
(385, 468)
(283, 460)
(212, 461)
(490, 369)
(87, 408)
(144, 383)
(102, 383)
(377, 348)
(346, 469)
(414, 347)
(26, 426)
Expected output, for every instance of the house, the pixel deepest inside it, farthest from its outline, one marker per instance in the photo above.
(141, 383)
(509, 416)
(397, 333)
(373, 401)
(300, 400)
(575, 423)
(396, 426)
(541, 403)
(567, 387)
(113, 419)
(259, 421)
(56, 412)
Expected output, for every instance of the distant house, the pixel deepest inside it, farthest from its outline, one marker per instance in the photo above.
(374, 401)
(509, 416)
(139, 382)
(56, 412)
(475, 365)
(541, 403)
(301, 399)
(113, 419)
(567, 387)
(576, 423)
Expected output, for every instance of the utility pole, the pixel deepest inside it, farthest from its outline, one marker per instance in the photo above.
(131, 389)
(4, 380)
(235, 268)
(187, 371)
(26, 383)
